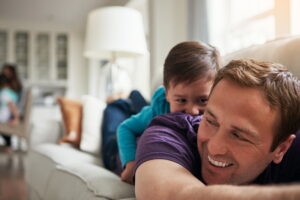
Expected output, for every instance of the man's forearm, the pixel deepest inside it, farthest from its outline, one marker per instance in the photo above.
(229, 192)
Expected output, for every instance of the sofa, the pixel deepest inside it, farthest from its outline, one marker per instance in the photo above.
(62, 172)
(56, 170)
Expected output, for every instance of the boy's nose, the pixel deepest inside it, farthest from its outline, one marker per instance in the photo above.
(193, 110)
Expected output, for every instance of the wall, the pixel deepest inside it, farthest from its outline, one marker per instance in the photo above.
(168, 26)
(78, 71)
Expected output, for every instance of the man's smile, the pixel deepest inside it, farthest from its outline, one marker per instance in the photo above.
(218, 163)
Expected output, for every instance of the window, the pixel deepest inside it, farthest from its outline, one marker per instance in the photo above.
(61, 55)
(22, 53)
(236, 24)
(42, 55)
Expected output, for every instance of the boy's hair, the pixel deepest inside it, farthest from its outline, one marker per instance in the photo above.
(190, 61)
(3, 80)
(280, 87)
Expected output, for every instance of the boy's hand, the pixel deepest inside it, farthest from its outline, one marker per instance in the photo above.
(127, 174)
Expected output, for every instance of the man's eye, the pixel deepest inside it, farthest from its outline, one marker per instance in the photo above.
(181, 100)
(238, 136)
(211, 122)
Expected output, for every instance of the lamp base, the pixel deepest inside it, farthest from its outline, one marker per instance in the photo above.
(118, 82)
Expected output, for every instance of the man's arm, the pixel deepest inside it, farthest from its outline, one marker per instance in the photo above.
(163, 179)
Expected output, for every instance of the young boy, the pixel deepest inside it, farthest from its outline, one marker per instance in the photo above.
(189, 71)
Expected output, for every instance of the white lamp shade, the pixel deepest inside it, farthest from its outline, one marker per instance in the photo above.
(115, 30)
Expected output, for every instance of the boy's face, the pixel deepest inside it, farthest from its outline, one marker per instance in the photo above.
(190, 98)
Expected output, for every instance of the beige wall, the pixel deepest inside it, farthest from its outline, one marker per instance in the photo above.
(168, 26)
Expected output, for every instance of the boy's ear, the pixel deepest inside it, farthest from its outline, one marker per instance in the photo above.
(282, 148)
(167, 94)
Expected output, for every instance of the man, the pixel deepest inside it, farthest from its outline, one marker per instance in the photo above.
(246, 137)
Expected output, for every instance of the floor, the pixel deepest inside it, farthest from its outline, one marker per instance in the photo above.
(12, 182)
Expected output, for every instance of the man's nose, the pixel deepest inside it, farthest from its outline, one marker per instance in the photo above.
(216, 145)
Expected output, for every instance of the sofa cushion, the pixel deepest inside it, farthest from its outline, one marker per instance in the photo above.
(62, 154)
(43, 159)
(71, 180)
(91, 124)
(284, 51)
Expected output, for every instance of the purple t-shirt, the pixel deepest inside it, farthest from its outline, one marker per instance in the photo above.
(173, 137)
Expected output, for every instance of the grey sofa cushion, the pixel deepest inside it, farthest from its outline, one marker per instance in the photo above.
(72, 178)
(59, 172)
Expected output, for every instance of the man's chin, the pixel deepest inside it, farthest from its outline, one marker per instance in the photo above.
(214, 180)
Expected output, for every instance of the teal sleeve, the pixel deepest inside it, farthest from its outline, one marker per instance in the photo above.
(133, 127)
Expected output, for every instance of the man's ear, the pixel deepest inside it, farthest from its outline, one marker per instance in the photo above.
(282, 149)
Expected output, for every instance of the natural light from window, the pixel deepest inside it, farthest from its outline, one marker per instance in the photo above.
(236, 24)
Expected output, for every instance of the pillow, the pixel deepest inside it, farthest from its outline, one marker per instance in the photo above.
(72, 116)
(91, 124)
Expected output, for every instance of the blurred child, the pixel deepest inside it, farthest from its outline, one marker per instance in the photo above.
(189, 71)
(8, 109)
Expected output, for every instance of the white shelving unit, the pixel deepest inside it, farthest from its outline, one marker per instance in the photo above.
(42, 60)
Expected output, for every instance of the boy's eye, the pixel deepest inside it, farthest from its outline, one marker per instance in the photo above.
(181, 100)
(203, 100)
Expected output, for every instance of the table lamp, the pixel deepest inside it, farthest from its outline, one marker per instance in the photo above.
(112, 33)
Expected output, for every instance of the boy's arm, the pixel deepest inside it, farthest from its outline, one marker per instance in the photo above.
(129, 131)
(133, 127)
(15, 114)
(163, 179)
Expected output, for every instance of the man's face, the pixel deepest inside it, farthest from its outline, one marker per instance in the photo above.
(235, 135)
(189, 98)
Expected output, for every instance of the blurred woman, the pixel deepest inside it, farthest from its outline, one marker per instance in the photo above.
(10, 71)
(8, 107)
(10, 96)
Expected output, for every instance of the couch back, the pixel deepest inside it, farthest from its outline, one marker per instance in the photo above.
(284, 50)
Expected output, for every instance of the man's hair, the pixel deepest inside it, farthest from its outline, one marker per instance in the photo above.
(190, 61)
(280, 87)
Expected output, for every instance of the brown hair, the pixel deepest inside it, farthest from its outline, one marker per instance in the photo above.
(14, 82)
(190, 61)
(281, 88)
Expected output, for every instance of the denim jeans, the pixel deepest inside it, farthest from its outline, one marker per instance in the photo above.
(114, 114)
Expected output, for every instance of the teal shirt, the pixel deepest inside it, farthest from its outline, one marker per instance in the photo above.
(133, 127)
(6, 95)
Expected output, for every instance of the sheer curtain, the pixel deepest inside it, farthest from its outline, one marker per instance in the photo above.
(234, 24)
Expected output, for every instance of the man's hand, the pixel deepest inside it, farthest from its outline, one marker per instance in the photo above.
(127, 174)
